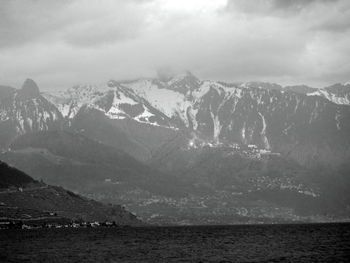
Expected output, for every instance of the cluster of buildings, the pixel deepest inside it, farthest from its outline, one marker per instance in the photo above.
(10, 224)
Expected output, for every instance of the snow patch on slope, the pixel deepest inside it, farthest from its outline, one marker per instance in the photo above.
(216, 124)
(70, 101)
(169, 102)
(331, 97)
(263, 132)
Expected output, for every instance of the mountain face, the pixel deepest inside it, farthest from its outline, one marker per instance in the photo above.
(302, 89)
(25, 199)
(184, 150)
(70, 101)
(337, 93)
(25, 110)
(302, 122)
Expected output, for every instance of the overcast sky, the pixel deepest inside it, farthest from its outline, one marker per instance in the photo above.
(63, 43)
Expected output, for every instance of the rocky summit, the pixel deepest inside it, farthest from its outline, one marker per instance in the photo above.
(29, 90)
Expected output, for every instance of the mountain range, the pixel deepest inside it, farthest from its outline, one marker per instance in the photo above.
(184, 150)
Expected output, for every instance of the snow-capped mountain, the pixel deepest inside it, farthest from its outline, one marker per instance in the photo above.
(25, 110)
(177, 100)
(291, 120)
(236, 143)
(255, 113)
(337, 93)
(70, 101)
(121, 102)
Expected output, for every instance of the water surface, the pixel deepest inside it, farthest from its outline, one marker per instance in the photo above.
(248, 243)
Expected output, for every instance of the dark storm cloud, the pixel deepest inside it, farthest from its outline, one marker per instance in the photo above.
(26, 21)
(61, 43)
(71, 21)
(275, 7)
(298, 4)
(338, 22)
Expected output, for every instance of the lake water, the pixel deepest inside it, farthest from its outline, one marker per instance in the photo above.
(248, 243)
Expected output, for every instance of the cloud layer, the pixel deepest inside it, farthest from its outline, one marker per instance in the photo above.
(62, 43)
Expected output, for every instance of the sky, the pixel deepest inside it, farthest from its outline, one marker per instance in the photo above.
(63, 43)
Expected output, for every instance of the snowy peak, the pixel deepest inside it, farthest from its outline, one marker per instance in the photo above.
(119, 102)
(183, 83)
(337, 93)
(70, 101)
(25, 110)
(339, 89)
(115, 100)
(215, 111)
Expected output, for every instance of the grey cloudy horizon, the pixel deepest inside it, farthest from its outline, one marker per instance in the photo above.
(63, 43)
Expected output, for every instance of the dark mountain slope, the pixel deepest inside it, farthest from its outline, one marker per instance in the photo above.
(78, 163)
(36, 201)
(11, 177)
(96, 126)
